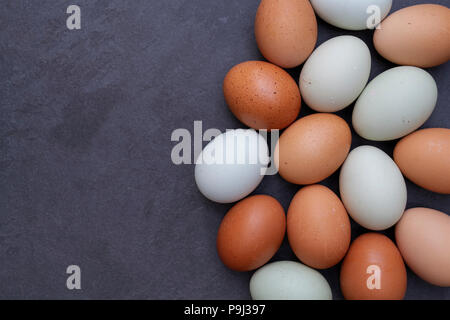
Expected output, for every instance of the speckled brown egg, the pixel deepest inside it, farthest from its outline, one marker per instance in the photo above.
(318, 227)
(286, 31)
(262, 95)
(373, 269)
(251, 233)
(313, 148)
(416, 36)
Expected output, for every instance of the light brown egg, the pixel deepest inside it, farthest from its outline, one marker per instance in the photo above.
(417, 36)
(251, 233)
(318, 227)
(423, 237)
(286, 31)
(313, 148)
(262, 95)
(424, 158)
(373, 270)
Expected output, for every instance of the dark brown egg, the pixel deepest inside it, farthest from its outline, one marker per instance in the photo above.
(373, 270)
(251, 233)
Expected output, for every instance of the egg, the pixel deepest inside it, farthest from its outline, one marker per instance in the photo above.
(312, 148)
(372, 188)
(232, 165)
(335, 74)
(351, 14)
(424, 158)
(373, 270)
(394, 104)
(423, 237)
(288, 280)
(251, 233)
(416, 36)
(318, 227)
(286, 31)
(262, 95)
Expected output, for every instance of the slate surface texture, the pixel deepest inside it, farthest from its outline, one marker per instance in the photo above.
(85, 151)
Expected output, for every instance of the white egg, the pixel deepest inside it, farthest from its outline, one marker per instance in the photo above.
(288, 280)
(232, 165)
(335, 74)
(372, 188)
(352, 14)
(395, 103)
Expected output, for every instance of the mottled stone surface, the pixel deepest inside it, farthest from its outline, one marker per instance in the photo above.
(85, 126)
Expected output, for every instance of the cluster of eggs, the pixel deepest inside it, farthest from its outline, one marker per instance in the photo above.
(373, 191)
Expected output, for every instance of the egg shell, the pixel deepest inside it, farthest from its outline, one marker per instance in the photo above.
(288, 280)
(251, 233)
(335, 74)
(424, 158)
(373, 269)
(416, 36)
(318, 227)
(423, 237)
(350, 14)
(262, 95)
(232, 165)
(286, 31)
(312, 148)
(372, 188)
(394, 104)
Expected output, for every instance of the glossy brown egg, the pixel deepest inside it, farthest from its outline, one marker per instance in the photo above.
(251, 233)
(373, 269)
(313, 148)
(262, 95)
(286, 31)
(318, 227)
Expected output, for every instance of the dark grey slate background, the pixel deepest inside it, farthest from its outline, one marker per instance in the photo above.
(86, 119)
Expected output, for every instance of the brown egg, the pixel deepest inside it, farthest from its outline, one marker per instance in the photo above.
(318, 227)
(262, 95)
(313, 148)
(373, 270)
(424, 158)
(286, 31)
(423, 237)
(251, 233)
(416, 36)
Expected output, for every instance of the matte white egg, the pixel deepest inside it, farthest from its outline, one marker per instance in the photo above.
(232, 165)
(352, 14)
(394, 104)
(335, 74)
(289, 280)
(372, 188)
